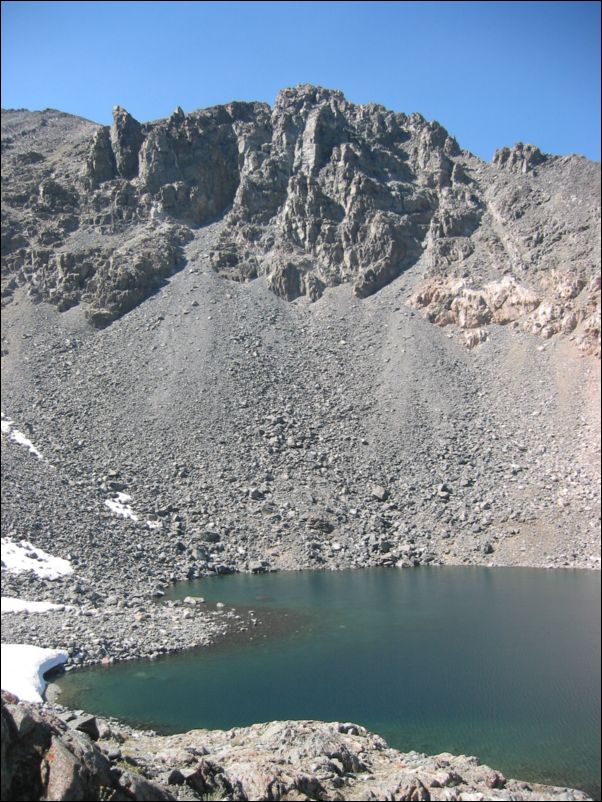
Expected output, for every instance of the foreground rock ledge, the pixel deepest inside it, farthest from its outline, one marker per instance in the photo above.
(45, 758)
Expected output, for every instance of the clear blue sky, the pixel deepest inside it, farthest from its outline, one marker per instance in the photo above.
(493, 73)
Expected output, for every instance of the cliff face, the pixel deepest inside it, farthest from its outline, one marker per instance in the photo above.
(314, 192)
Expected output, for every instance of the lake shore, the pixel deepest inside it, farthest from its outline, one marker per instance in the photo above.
(286, 760)
(353, 616)
(129, 625)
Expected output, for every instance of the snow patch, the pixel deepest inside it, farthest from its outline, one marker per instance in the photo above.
(23, 669)
(11, 605)
(118, 505)
(23, 556)
(18, 437)
(154, 524)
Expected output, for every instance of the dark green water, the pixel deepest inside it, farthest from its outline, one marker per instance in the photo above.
(501, 663)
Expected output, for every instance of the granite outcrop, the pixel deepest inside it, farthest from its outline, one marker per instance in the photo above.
(54, 754)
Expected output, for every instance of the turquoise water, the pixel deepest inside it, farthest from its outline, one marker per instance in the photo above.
(501, 663)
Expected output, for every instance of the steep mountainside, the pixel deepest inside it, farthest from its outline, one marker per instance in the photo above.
(306, 413)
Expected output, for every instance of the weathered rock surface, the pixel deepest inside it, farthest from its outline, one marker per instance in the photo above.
(562, 303)
(303, 760)
(315, 192)
(45, 759)
(126, 140)
(45, 756)
(532, 262)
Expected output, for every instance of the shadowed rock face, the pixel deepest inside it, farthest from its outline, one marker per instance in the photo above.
(43, 758)
(126, 139)
(314, 192)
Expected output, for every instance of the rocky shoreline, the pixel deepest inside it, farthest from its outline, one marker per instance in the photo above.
(107, 631)
(54, 753)
(135, 630)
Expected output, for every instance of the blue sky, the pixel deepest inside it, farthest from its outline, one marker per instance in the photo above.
(493, 73)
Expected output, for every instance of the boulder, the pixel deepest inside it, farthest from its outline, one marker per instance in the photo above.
(379, 492)
(42, 758)
(87, 724)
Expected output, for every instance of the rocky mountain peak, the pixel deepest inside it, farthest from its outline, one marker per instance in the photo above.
(314, 192)
(520, 158)
(126, 140)
(307, 96)
(177, 116)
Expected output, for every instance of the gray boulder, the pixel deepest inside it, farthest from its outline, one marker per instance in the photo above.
(42, 758)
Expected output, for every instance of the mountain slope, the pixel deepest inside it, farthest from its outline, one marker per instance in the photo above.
(311, 416)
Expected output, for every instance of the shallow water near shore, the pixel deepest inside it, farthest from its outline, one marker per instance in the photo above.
(500, 663)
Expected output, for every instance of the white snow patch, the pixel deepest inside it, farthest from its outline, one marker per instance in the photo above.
(11, 605)
(23, 669)
(154, 524)
(18, 437)
(119, 506)
(23, 556)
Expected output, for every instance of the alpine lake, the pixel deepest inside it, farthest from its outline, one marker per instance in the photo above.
(501, 663)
